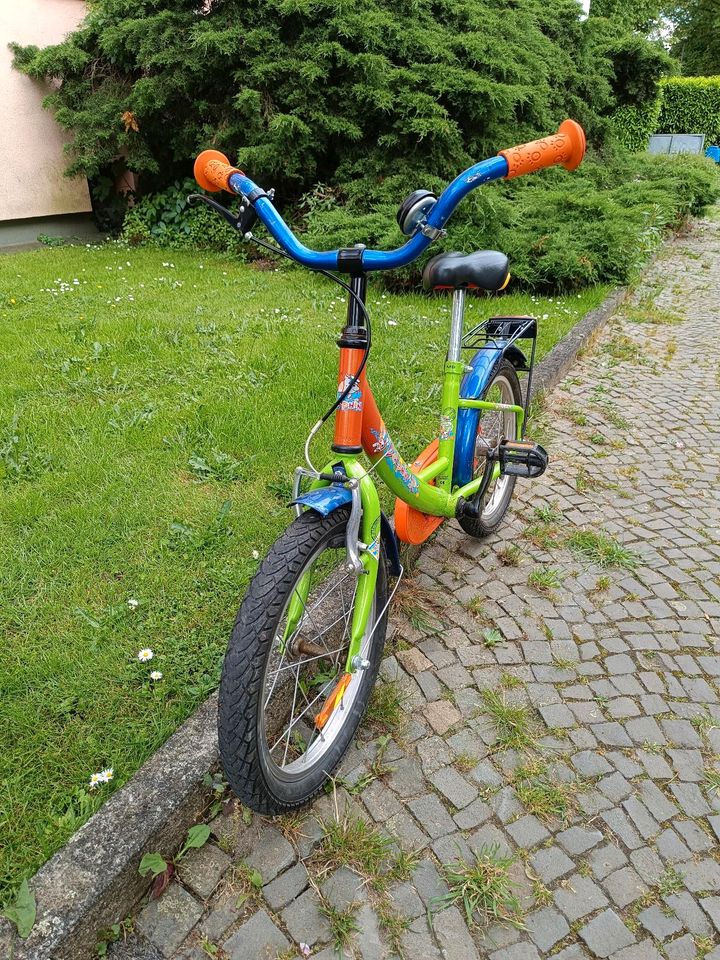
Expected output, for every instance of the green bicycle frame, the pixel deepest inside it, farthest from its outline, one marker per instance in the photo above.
(429, 491)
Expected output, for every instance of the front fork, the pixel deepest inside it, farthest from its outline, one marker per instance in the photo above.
(362, 538)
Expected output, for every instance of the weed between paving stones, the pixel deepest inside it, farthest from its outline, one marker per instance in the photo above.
(515, 726)
(343, 923)
(545, 579)
(387, 708)
(549, 799)
(602, 550)
(350, 840)
(378, 769)
(484, 889)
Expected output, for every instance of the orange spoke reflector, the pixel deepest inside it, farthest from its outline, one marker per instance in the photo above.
(333, 700)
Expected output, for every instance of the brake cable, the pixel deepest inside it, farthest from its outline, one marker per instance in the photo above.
(242, 223)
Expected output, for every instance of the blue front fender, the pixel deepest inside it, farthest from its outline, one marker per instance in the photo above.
(326, 499)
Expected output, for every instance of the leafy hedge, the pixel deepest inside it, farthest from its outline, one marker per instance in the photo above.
(634, 125)
(691, 105)
(561, 230)
(167, 219)
(682, 105)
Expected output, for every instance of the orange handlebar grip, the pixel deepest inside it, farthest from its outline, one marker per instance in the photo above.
(566, 147)
(212, 170)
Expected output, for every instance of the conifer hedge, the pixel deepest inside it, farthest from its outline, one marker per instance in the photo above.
(346, 107)
(307, 91)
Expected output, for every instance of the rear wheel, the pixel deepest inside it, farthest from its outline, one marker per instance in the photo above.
(494, 426)
(280, 667)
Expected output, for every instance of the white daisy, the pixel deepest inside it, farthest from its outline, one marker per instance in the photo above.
(156, 675)
(145, 654)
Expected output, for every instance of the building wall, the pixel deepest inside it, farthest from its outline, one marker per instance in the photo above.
(31, 142)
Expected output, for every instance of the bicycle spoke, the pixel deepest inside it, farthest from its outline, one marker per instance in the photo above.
(277, 674)
(316, 733)
(308, 610)
(291, 666)
(299, 718)
(292, 714)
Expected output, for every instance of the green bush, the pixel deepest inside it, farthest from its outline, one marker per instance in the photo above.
(634, 125)
(638, 66)
(307, 91)
(602, 225)
(561, 230)
(167, 219)
(691, 105)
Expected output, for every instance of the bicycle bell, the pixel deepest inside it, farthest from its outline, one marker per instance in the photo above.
(414, 209)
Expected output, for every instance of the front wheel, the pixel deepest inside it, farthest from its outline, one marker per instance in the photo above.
(286, 654)
(494, 426)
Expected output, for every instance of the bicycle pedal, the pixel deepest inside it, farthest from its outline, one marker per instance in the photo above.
(522, 458)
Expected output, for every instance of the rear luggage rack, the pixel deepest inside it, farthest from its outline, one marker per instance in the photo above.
(502, 333)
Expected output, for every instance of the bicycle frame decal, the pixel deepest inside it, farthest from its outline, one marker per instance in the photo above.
(353, 401)
(384, 445)
(447, 425)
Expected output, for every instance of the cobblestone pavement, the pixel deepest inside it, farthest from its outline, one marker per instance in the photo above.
(561, 701)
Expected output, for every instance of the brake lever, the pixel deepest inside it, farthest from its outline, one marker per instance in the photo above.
(244, 220)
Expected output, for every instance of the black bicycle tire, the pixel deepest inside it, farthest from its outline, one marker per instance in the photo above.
(241, 683)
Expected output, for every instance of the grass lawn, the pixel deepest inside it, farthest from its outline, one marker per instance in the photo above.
(152, 409)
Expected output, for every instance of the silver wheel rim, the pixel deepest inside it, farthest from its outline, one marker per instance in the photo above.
(494, 426)
(292, 747)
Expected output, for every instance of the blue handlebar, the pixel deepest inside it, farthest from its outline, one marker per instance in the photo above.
(493, 169)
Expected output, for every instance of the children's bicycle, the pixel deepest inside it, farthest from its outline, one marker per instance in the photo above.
(308, 639)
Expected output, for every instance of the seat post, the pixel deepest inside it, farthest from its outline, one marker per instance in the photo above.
(456, 325)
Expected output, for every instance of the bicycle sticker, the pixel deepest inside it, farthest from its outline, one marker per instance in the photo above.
(382, 439)
(447, 431)
(374, 548)
(384, 444)
(353, 401)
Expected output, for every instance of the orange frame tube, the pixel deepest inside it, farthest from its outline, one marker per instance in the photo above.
(359, 425)
(349, 415)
